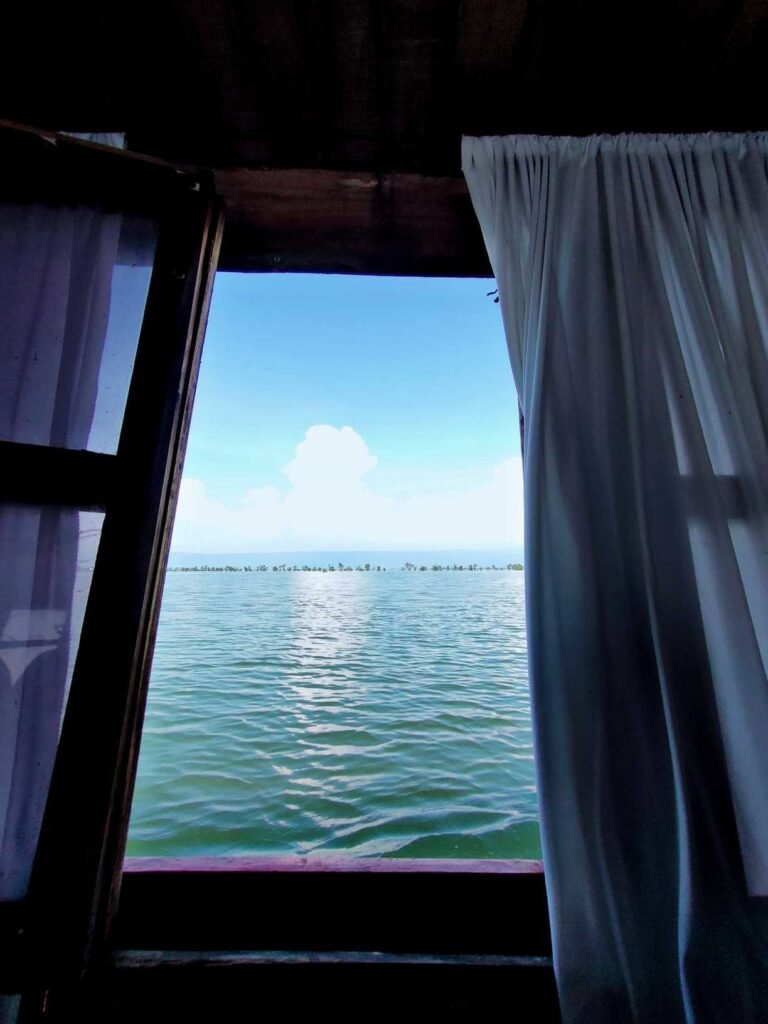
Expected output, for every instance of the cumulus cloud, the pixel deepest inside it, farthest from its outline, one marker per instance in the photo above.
(328, 458)
(329, 505)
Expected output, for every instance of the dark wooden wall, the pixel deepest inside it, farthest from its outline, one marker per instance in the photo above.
(378, 85)
(381, 89)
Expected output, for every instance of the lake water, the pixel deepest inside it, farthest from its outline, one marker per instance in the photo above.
(356, 713)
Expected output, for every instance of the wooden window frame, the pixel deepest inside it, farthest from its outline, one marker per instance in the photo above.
(184, 919)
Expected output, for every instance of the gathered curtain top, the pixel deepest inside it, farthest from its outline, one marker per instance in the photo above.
(628, 143)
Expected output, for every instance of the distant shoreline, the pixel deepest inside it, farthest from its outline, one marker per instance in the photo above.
(341, 567)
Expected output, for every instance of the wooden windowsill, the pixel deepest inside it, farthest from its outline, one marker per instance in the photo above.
(328, 863)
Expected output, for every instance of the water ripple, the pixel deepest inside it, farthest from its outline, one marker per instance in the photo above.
(361, 713)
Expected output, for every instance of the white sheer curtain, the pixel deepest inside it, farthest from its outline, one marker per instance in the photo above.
(56, 268)
(633, 278)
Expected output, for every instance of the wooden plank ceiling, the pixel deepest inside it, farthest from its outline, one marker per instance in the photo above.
(333, 126)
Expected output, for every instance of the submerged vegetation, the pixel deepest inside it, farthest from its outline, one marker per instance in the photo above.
(341, 567)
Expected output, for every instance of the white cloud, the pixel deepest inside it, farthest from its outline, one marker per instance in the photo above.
(329, 505)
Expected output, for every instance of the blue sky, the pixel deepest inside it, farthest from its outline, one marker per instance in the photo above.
(347, 405)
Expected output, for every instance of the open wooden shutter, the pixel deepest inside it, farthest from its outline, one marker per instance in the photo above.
(53, 927)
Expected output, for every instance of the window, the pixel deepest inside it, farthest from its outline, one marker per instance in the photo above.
(363, 693)
(189, 887)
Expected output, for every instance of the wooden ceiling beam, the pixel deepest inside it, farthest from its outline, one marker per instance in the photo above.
(307, 220)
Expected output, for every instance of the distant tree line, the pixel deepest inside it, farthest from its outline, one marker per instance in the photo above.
(341, 567)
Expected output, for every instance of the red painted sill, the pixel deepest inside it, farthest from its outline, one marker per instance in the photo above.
(319, 864)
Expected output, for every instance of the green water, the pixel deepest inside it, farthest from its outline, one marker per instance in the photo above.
(362, 713)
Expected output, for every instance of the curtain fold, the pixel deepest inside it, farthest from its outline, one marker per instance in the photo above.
(633, 279)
